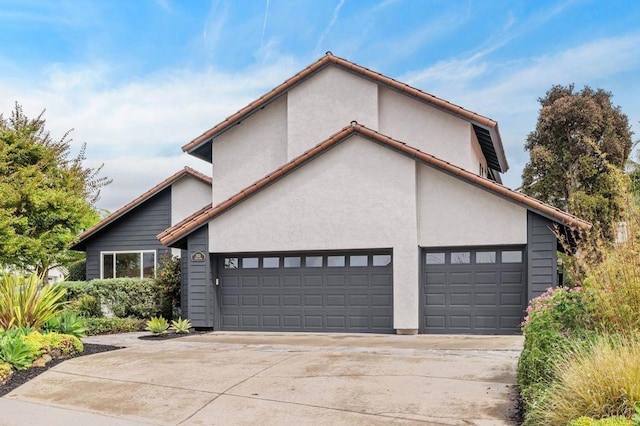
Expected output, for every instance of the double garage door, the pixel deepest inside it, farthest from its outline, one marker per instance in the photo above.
(313, 292)
(473, 290)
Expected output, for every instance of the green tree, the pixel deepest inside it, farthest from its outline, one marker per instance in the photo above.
(578, 151)
(46, 197)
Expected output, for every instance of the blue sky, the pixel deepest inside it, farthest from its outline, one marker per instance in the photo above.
(138, 79)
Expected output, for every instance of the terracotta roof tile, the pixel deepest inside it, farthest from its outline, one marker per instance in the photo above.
(319, 64)
(196, 220)
(141, 199)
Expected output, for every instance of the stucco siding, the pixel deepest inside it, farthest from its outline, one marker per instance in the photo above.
(324, 104)
(455, 213)
(187, 196)
(135, 231)
(250, 150)
(427, 128)
(357, 195)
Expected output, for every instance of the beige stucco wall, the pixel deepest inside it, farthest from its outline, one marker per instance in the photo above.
(250, 150)
(357, 195)
(325, 103)
(188, 195)
(428, 129)
(453, 213)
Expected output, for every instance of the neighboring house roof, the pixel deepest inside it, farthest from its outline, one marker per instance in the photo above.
(207, 213)
(485, 128)
(187, 171)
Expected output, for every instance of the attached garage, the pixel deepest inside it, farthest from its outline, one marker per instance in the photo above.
(473, 290)
(313, 292)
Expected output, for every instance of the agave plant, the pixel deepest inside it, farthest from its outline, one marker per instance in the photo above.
(25, 302)
(181, 325)
(67, 323)
(157, 325)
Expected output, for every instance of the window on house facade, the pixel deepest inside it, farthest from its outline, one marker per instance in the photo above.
(136, 264)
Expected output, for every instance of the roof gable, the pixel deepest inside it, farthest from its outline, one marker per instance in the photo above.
(187, 171)
(200, 218)
(485, 128)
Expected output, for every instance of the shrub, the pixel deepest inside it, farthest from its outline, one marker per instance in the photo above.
(24, 301)
(125, 297)
(77, 270)
(65, 344)
(86, 306)
(609, 421)
(157, 325)
(599, 380)
(169, 282)
(6, 371)
(555, 321)
(67, 323)
(113, 325)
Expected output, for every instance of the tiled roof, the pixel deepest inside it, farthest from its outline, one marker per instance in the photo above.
(187, 171)
(329, 58)
(201, 217)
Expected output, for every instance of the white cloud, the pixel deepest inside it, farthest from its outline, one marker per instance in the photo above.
(138, 127)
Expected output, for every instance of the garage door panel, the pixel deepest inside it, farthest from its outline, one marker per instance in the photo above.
(436, 299)
(317, 294)
(486, 299)
(460, 299)
(482, 296)
(292, 281)
(271, 281)
(336, 281)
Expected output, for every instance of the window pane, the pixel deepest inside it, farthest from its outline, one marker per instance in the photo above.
(460, 257)
(250, 262)
(435, 258)
(381, 259)
(486, 257)
(107, 266)
(313, 261)
(512, 256)
(230, 263)
(335, 261)
(148, 265)
(271, 262)
(127, 265)
(358, 260)
(291, 262)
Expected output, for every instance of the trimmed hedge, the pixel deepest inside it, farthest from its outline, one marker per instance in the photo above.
(113, 325)
(124, 297)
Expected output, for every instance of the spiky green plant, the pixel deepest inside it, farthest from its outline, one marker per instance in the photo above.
(25, 302)
(157, 325)
(181, 325)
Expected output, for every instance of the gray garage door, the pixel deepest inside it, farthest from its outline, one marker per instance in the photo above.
(473, 291)
(336, 292)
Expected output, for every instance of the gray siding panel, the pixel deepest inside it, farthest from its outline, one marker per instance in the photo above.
(541, 255)
(136, 230)
(200, 281)
(184, 283)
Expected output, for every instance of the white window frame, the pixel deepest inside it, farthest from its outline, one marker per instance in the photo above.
(140, 252)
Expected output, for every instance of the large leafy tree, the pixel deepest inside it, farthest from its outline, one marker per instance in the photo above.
(46, 197)
(578, 152)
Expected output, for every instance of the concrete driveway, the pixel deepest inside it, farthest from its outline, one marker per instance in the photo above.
(302, 379)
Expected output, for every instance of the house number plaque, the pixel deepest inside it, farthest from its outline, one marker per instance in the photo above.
(197, 256)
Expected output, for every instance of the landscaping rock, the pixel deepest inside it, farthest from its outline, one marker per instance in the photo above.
(42, 361)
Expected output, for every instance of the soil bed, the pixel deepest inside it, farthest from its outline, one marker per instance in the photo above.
(21, 377)
(171, 335)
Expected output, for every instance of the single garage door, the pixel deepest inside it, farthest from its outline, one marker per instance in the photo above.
(327, 292)
(473, 290)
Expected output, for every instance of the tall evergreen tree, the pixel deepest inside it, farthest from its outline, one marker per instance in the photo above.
(46, 198)
(578, 152)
